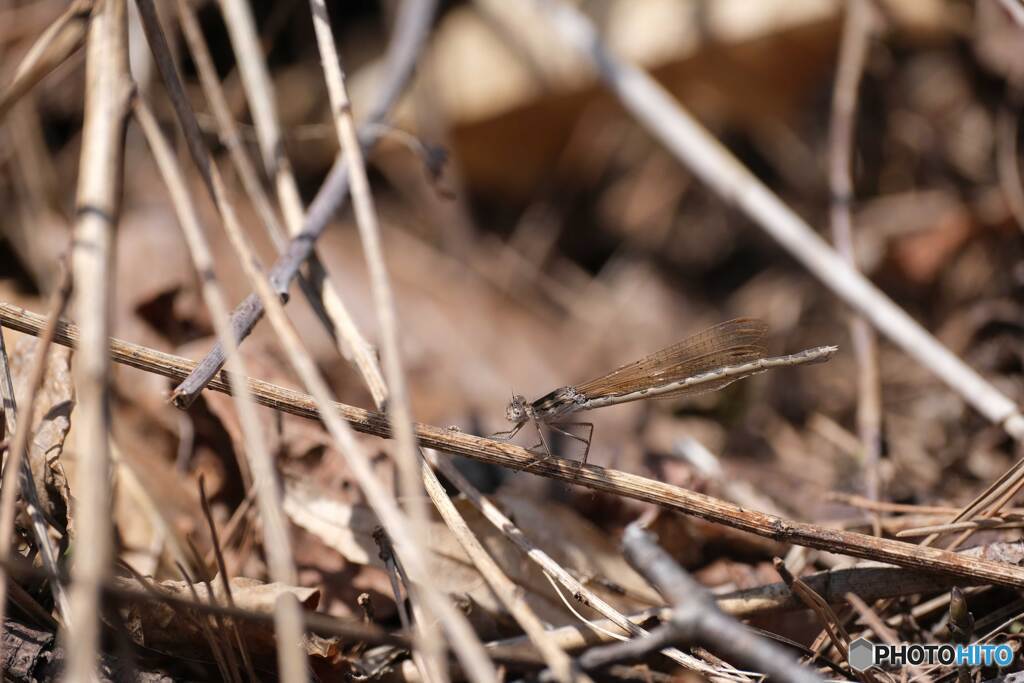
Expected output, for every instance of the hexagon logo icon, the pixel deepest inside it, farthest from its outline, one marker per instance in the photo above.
(861, 654)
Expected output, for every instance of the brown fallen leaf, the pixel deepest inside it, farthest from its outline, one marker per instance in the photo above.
(160, 626)
(569, 538)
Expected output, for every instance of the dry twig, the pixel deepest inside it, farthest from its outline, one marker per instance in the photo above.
(411, 30)
(696, 619)
(591, 476)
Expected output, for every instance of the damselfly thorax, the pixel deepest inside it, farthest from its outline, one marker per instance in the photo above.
(707, 361)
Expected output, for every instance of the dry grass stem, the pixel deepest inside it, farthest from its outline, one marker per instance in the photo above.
(833, 624)
(410, 34)
(60, 40)
(398, 411)
(542, 559)
(260, 96)
(510, 595)
(318, 289)
(463, 638)
(97, 208)
(397, 406)
(276, 537)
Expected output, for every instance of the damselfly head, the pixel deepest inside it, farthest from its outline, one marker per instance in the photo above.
(516, 410)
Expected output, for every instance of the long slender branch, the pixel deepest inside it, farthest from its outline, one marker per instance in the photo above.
(695, 619)
(411, 31)
(277, 541)
(590, 476)
(551, 568)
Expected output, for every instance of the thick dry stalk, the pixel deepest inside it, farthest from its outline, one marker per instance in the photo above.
(411, 30)
(691, 144)
(853, 49)
(594, 477)
(276, 540)
(97, 206)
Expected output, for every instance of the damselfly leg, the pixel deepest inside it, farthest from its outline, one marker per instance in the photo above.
(584, 440)
(547, 454)
(508, 434)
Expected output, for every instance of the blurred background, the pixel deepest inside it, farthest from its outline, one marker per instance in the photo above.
(557, 241)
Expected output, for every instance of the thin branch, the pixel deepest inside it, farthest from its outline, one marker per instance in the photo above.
(319, 291)
(590, 476)
(97, 207)
(696, 619)
(58, 42)
(510, 595)
(410, 34)
(398, 411)
(689, 142)
(276, 539)
(551, 568)
(853, 49)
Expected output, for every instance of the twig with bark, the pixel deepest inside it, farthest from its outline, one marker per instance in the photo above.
(591, 476)
(696, 619)
(412, 28)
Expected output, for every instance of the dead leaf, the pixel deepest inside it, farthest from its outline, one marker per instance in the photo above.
(160, 626)
(571, 540)
(51, 421)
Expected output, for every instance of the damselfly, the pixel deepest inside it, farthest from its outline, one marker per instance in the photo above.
(707, 361)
